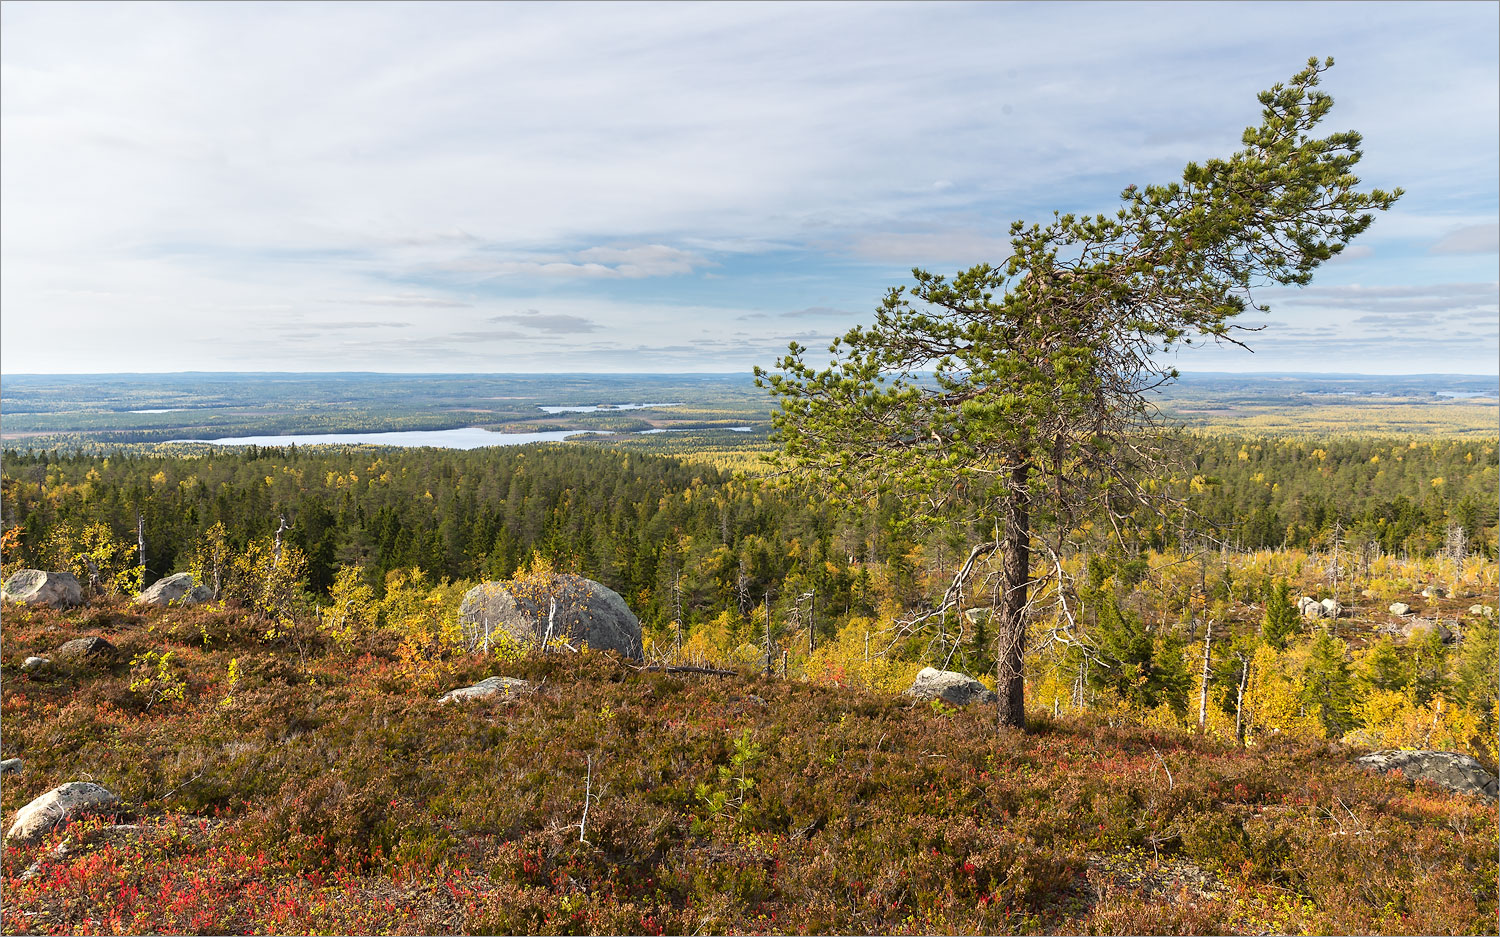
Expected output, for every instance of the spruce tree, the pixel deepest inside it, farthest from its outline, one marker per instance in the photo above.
(1281, 619)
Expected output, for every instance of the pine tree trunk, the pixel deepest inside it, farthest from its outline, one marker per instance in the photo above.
(1015, 571)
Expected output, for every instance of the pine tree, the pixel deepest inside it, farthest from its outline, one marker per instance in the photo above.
(1021, 395)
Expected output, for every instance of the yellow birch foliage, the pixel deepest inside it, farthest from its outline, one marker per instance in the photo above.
(1274, 699)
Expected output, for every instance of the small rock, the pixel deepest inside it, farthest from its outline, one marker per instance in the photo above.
(9, 765)
(950, 686)
(1488, 611)
(175, 590)
(39, 587)
(489, 686)
(1434, 592)
(1400, 608)
(82, 648)
(1458, 773)
(58, 806)
(33, 664)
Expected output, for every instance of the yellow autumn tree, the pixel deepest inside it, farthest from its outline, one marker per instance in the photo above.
(1274, 699)
(426, 621)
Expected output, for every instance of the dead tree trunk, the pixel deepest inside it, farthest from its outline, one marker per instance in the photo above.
(1208, 630)
(1239, 701)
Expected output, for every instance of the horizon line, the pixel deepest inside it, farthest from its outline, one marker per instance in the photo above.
(736, 373)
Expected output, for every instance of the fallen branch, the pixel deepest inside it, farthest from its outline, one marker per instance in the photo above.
(683, 668)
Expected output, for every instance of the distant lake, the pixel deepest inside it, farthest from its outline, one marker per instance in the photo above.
(1465, 394)
(595, 408)
(169, 410)
(471, 437)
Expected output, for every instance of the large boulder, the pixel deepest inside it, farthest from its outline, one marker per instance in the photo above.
(1400, 608)
(503, 687)
(951, 687)
(39, 587)
(1414, 629)
(1458, 773)
(58, 805)
(1434, 592)
(571, 607)
(1331, 608)
(1310, 607)
(175, 590)
(92, 648)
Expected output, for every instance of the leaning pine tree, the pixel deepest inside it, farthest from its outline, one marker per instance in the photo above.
(1017, 398)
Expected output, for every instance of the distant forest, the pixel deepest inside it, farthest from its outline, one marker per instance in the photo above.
(683, 540)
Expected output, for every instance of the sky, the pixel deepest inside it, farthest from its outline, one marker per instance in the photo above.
(511, 187)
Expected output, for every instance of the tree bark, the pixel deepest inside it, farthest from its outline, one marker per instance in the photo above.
(1015, 572)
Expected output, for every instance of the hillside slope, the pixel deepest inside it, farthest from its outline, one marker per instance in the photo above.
(296, 789)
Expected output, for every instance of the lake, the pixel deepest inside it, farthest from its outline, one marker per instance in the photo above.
(471, 437)
(596, 408)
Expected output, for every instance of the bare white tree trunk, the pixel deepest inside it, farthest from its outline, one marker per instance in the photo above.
(1208, 630)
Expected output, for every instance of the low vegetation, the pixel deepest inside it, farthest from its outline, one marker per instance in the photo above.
(286, 781)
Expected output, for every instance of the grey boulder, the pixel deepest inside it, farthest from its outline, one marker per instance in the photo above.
(87, 648)
(9, 765)
(1310, 607)
(33, 664)
(1331, 608)
(951, 687)
(1415, 628)
(39, 587)
(563, 606)
(1458, 773)
(1400, 608)
(503, 687)
(58, 805)
(175, 590)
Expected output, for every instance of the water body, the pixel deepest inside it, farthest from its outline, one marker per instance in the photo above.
(595, 408)
(168, 410)
(471, 437)
(687, 429)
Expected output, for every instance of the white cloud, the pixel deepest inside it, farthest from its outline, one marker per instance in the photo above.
(413, 299)
(1472, 239)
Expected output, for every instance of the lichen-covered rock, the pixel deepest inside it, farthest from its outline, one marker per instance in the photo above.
(565, 606)
(502, 687)
(175, 590)
(87, 648)
(1400, 608)
(34, 664)
(9, 765)
(1331, 608)
(1414, 629)
(1458, 773)
(1486, 611)
(1434, 592)
(58, 805)
(951, 687)
(39, 587)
